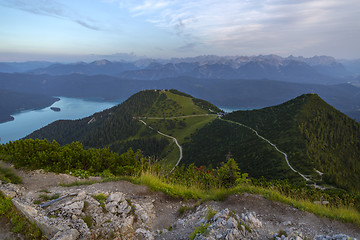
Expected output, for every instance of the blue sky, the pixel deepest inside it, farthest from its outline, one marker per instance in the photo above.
(71, 30)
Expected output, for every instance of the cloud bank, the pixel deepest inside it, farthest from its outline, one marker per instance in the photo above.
(263, 24)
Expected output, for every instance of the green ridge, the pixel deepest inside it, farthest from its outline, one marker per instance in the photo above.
(120, 129)
(314, 135)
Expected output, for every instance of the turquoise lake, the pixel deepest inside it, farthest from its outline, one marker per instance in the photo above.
(71, 108)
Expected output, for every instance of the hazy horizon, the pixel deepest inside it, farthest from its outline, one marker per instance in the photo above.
(70, 31)
(119, 57)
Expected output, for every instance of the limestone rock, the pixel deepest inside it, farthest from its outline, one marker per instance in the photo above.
(123, 208)
(74, 208)
(115, 197)
(250, 217)
(9, 190)
(222, 214)
(27, 210)
(231, 223)
(233, 234)
(71, 234)
(144, 234)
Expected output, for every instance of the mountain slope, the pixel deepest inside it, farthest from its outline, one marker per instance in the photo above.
(220, 140)
(119, 127)
(101, 128)
(315, 136)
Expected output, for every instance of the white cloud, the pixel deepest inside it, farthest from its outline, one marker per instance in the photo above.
(287, 24)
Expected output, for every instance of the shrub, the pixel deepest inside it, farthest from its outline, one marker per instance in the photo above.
(202, 229)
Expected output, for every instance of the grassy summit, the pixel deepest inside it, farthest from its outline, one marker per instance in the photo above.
(119, 127)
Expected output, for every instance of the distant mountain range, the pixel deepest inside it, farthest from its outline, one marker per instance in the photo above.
(237, 81)
(314, 135)
(21, 67)
(317, 69)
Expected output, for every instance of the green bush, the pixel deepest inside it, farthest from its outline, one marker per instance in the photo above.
(37, 154)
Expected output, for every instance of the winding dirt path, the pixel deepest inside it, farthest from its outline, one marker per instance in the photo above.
(171, 137)
(273, 145)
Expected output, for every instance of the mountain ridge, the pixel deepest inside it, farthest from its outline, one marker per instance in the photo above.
(209, 143)
(317, 69)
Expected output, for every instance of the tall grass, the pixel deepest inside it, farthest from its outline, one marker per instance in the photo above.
(157, 183)
(8, 176)
(19, 224)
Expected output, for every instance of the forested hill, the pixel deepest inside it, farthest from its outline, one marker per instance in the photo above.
(118, 127)
(314, 135)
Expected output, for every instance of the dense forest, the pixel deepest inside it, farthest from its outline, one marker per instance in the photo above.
(314, 135)
(220, 140)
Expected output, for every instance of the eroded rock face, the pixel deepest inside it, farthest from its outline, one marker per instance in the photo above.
(99, 218)
(82, 215)
(92, 213)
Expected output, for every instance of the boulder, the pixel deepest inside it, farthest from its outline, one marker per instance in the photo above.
(74, 208)
(115, 197)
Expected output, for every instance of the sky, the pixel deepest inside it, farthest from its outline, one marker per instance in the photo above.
(74, 30)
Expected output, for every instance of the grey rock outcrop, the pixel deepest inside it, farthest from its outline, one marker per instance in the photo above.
(94, 212)
(79, 215)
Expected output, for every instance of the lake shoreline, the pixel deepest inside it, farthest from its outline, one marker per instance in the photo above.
(27, 121)
(8, 118)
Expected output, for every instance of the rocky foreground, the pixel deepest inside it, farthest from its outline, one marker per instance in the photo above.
(121, 210)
